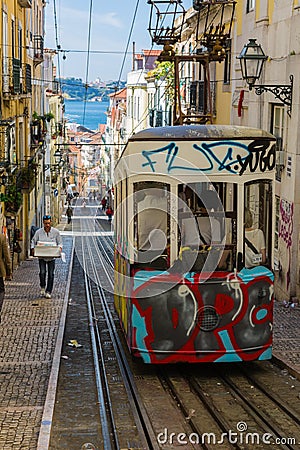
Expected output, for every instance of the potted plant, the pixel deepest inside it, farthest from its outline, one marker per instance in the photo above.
(48, 116)
(36, 118)
(12, 198)
(26, 177)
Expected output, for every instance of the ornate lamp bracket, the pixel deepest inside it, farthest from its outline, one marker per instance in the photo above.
(284, 93)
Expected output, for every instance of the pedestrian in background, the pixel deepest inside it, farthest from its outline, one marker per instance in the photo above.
(103, 203)
(109, 213)
(46, 234)
(5, 266)
(69, 213)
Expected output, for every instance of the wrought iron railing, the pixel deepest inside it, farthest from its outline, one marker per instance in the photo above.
(38, 48)
(16, 77)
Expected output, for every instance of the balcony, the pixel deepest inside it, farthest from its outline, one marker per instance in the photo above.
(38, 49)
(16, 77)
(37, 133)
(25, 3)
(159, 118)
(195, 98)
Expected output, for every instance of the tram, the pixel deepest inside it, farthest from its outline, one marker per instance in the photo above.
(194, 243)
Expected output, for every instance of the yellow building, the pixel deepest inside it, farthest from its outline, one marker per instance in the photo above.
(22, 101)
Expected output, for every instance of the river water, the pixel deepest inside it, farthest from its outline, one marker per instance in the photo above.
(95, 113)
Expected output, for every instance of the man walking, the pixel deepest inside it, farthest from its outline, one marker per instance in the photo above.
(46, 234)
(5, 266)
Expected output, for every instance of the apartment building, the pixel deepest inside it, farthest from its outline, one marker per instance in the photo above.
(275, 26)
(26, 120)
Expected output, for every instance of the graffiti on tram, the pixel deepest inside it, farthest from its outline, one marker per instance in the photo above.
(193, 317)
(222, 156)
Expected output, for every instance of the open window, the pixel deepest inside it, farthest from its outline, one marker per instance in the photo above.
(257, 224)
(152, 224)
(207, 218)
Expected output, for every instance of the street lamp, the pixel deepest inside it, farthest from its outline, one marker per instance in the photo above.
(3, 177)
(57, 156)
(252, 59)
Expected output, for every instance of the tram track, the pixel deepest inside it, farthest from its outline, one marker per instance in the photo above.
(129, 425)
(140, 405)
(110, 438)
(226, 409)
(261, 423)
(272, 411)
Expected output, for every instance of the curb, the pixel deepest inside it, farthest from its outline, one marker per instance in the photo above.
(46, 424)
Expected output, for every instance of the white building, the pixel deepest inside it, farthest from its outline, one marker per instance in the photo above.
(137, 93)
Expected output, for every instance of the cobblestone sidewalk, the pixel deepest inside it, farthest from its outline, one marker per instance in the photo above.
(28, 336)
(286, 337)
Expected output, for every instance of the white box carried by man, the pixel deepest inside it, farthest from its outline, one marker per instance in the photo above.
(47, 250)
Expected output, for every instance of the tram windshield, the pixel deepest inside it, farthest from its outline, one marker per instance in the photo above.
(207, 217)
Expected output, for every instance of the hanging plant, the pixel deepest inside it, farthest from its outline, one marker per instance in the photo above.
(36, 117)
(12, 198)
(48, 116)
(165, 71)
(26, 177)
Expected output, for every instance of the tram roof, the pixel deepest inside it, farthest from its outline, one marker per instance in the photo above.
(191, 132)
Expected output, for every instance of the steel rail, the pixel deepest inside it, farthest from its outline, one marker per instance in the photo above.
(273, 397)
(102, 388)
(165, 379)
(257, 414)
(142, 421)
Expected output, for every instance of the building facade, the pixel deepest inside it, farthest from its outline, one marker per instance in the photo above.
(275, 24)
(22, 100)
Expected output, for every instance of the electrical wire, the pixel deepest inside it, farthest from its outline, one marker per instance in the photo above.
(128, 42)
(87, 60)
(144, 117)
(56, 39)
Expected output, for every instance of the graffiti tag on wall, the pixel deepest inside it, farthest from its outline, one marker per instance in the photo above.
(286, 222)
(286, 230)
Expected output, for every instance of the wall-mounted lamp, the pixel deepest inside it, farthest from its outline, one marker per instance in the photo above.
(3, 177)
(252, 59)
(57, 155)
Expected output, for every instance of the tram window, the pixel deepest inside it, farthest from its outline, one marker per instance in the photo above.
(151, 233)
(257, 224)
(126, 208)
(121, 213)
(116, 203)
(216, 223)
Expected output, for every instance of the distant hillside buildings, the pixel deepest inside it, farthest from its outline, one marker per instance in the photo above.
(75, 88)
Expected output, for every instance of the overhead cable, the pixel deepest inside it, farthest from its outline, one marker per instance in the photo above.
(128, 42)
(87, 60)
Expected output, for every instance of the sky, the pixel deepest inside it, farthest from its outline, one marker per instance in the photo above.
(111, 22)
